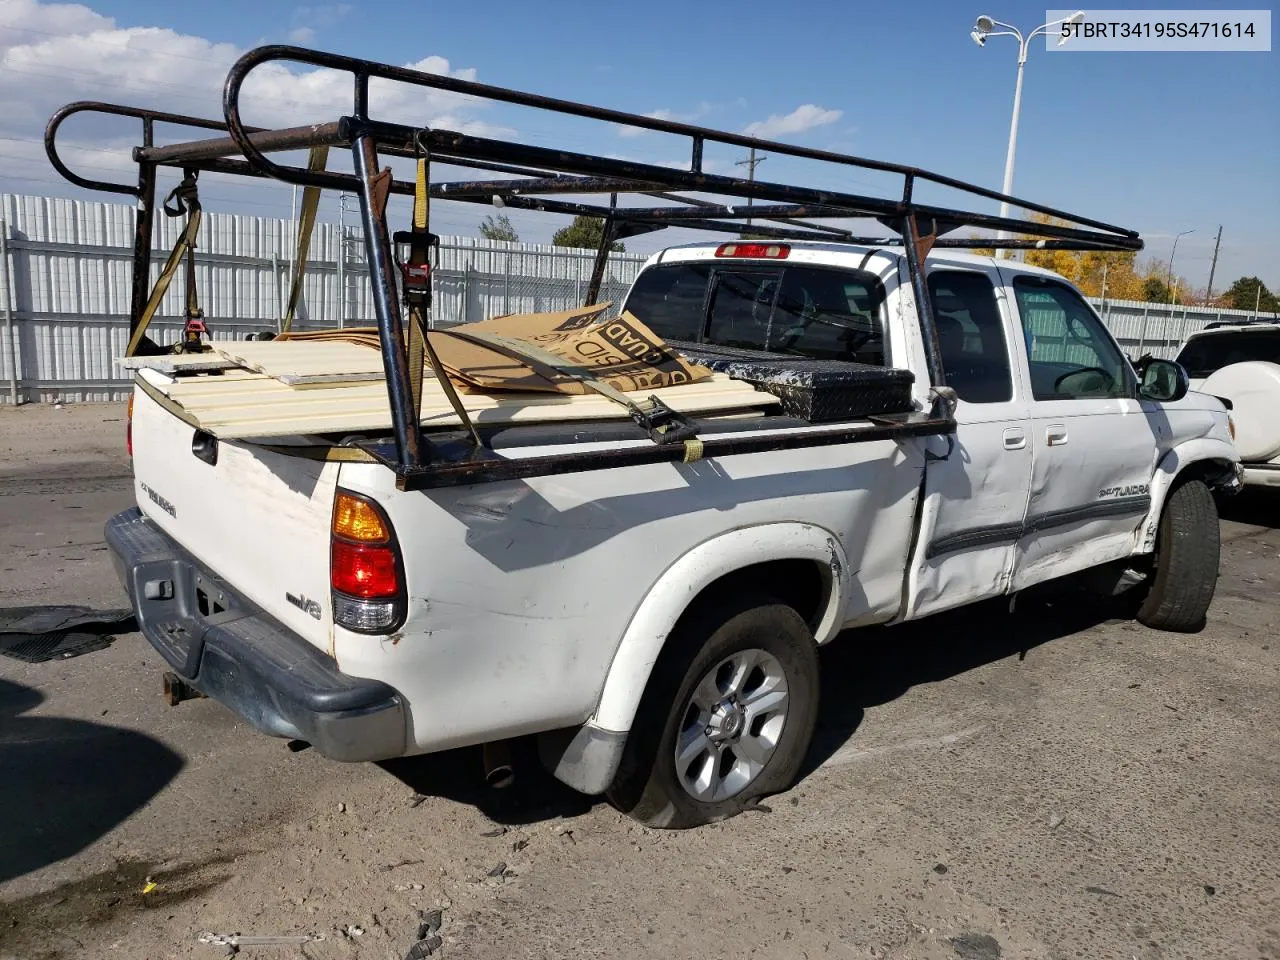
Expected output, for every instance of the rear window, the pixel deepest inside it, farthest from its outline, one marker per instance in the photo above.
(1208, 354)
(820, 312)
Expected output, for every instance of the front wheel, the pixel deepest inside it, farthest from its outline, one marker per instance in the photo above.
(1188, 550)
(727, 717)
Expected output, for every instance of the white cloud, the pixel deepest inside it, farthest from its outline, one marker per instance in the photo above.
(53, 53)
(692, 116)
(301, 35)
(802, 118)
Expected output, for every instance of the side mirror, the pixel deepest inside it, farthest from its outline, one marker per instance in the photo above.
(1162, 380)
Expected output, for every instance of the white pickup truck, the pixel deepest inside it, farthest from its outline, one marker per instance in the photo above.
(646, 598)
(657, 625)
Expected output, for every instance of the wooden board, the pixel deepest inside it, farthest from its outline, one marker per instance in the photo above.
(263, 407)
(307, 361)
(178, 362)
(365, 336)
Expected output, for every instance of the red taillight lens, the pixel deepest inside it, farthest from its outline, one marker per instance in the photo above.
(364, 571)
(760, 251)
(128, 426)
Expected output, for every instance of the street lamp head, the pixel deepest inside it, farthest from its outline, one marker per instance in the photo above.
(984, 25)
(979, 38)
(1076, 17)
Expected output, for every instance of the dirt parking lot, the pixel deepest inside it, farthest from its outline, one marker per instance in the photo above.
(1046, 784)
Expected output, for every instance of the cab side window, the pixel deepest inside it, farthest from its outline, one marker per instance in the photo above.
(975, 354)
(1071, 355)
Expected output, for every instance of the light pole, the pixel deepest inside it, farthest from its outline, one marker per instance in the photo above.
(1173, 254)
(986, 27)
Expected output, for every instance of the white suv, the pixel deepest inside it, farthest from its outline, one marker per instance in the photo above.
(1240, 363)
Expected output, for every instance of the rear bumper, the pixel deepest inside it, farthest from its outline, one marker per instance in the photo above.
(228, 649)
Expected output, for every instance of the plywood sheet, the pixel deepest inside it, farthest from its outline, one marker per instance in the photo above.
(306, 361)
(264, 407)
(178, 362)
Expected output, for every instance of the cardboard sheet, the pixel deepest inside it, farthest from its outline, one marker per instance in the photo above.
(622, 352)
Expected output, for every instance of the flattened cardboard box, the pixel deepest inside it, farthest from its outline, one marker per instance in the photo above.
(620, 351)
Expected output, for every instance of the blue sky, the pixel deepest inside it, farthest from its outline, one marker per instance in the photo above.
(1161, 142)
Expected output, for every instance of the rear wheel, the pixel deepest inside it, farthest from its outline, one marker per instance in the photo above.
(1188, 549)
(727, 716)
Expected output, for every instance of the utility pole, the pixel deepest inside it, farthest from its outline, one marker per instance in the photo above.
(751, 164)
(1208, 294)
(1257, 299)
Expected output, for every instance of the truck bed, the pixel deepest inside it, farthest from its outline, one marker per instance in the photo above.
(239, 403)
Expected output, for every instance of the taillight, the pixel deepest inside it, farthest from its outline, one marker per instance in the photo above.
(766, 251)
(365, 572)
(128, 426)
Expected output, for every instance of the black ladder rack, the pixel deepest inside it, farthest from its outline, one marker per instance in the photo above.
(540, 178)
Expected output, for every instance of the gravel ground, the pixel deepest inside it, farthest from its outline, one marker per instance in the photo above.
(1047, 784)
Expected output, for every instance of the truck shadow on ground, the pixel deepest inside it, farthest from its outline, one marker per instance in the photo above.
(863, 669)
(1253, 506)
(66, 783)
(873, 666)
(458, 775)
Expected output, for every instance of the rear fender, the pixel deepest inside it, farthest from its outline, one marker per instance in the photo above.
(702, 566)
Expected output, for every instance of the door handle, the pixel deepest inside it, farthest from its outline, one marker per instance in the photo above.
(1056, 434)
(1014, 439)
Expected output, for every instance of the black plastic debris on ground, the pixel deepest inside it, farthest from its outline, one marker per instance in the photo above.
(40, 634)
(428, 936)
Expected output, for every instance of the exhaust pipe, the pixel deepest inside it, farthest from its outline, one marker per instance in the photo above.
(176, 690)
(499, 772)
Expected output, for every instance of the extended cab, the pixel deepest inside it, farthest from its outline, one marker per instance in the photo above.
(659, 624)
(349, 552)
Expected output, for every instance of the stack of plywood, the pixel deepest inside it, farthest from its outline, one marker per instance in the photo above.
(259, 389)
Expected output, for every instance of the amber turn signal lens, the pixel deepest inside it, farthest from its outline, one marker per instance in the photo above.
(358, 520)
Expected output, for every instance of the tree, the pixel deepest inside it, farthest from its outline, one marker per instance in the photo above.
(1155, 290)
(1245, 292)
(584, 232)
(1096, 272)
(498, 228)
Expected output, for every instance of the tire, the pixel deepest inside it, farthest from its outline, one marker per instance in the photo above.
(737, 752)
(1188, 549)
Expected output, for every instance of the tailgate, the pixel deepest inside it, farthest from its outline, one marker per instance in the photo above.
(257, 519)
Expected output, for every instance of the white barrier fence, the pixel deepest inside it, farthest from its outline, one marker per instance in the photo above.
(65, 289)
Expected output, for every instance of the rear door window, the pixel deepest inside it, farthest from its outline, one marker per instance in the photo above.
(975, 353)
(820, 312)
